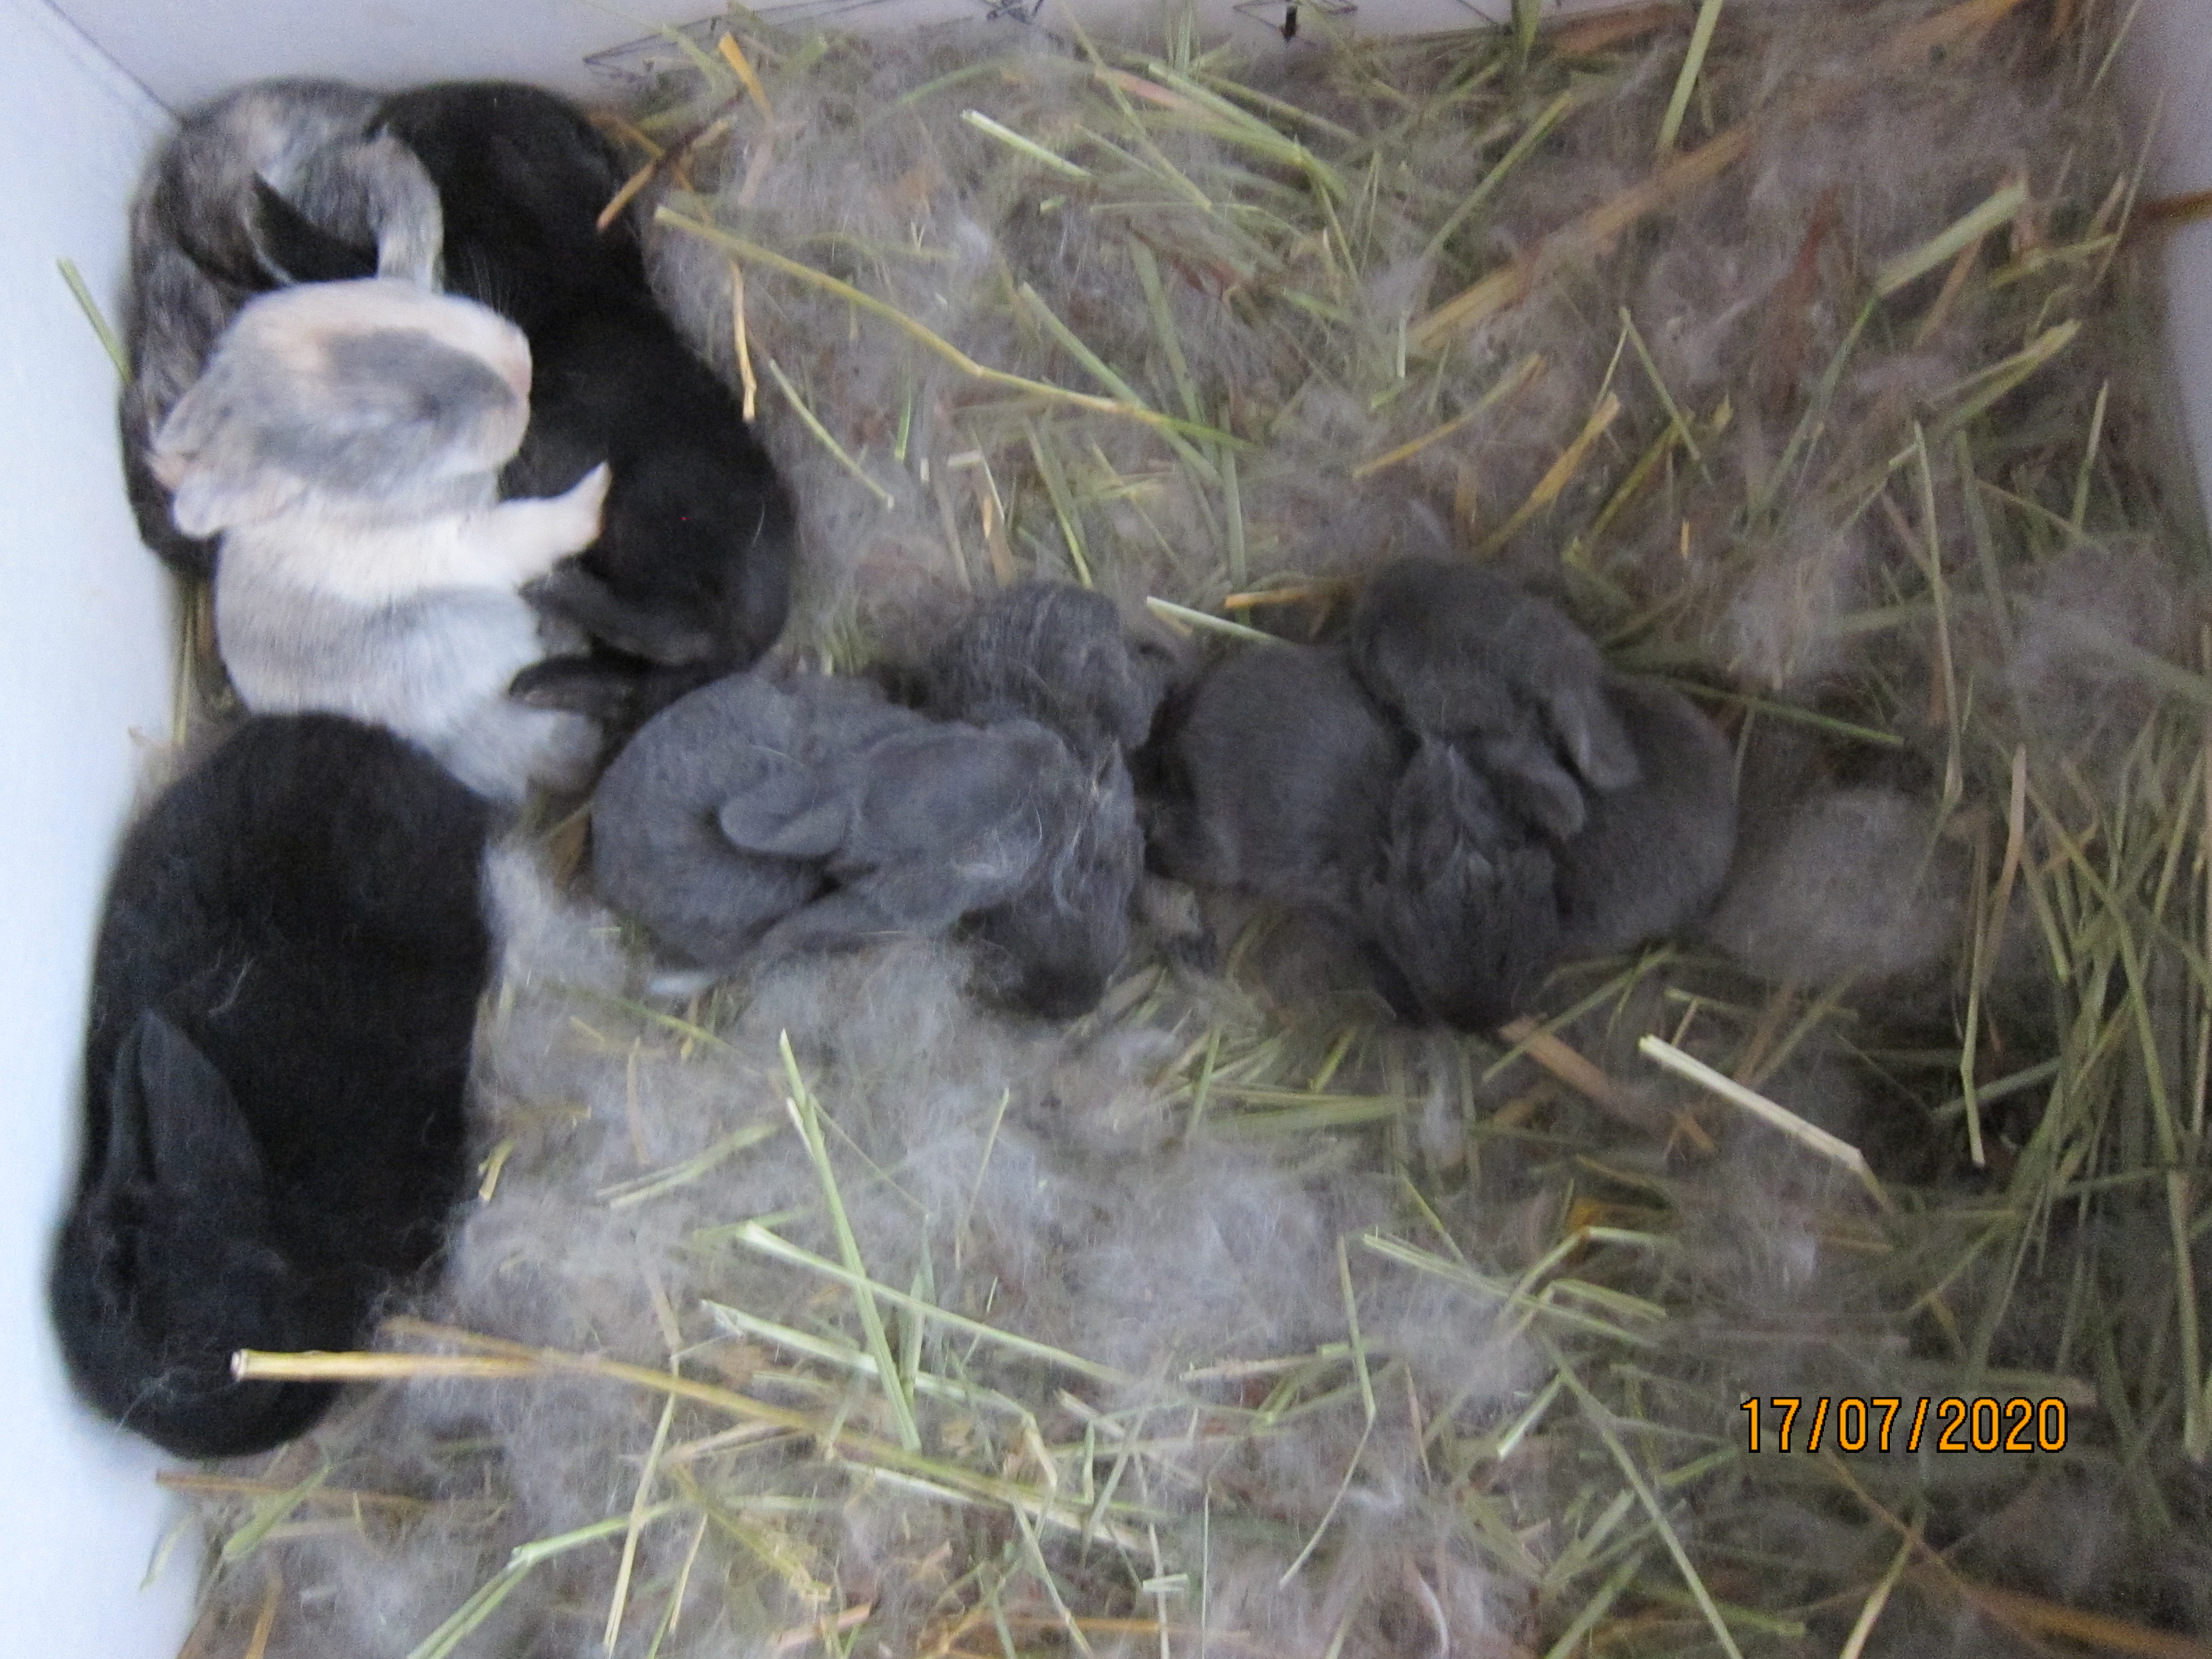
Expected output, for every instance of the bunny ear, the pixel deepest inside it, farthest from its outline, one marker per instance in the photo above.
(198, 1138)
(1583, 719)
(208, 501)
(783, 809)
(213, 488)
(296, 249)
(1521, 768)
(197, 1146)
(129, 1159)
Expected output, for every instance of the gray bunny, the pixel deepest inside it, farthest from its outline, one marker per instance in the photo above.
(750, 821)
(281, 151)
(1452, 650)
(1285, 780)
(1059, 655)
(1276, 771)
(1461, 787)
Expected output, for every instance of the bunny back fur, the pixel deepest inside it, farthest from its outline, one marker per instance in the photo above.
(692, 568)
(303, 911)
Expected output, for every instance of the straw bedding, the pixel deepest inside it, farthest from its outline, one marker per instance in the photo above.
(824, 1309)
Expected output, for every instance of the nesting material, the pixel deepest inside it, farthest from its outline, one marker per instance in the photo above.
(1810, 371)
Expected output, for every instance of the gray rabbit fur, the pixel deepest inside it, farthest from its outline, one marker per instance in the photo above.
(1651, 857)
(346, 441)
(1278, 772)
(658, 850)
(1465, 909)
(749, 821)
(1455, 651)
(1059, 655)
(1460, 786)
(295, 147)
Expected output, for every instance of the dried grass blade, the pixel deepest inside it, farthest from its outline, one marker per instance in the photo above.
(1560, 474)
(1527, 14)
(1694, 62)
(2081, 479)
(1537, 130)
(1948, 244)
(2033, 1614)
(1183, 613)
(109, 341)
(1029, 147)
(1163, 324)
(1877, 1599)
(1659, 385)
(755, 1237)
(624, 1195)
(1978, 391)
(268, 1514)
(1602, 1420)
(805, 1113)
(1063, 501)
(1522, 374)
(519, 1566)
(1831, 1148)
(734, 55)
(619, 1602)
(821, 434)
(1074, 345)
(1594, 1610)
(741, 342)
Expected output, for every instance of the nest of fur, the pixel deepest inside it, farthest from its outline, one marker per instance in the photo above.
(829, 1310)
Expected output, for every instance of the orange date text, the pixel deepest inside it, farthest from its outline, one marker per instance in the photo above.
(1851, 1423)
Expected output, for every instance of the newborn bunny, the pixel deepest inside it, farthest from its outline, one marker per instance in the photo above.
(1286, 779)
(691, 576)
(1452, 650)
(749, 821)
(914, 831)
(284, 998)
(522, 176)
(1059, 655)
(1054, 654)
(284, 153)
(345, 440)
(658, 852)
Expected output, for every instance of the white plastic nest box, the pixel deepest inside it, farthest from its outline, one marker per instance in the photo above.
(86, 675)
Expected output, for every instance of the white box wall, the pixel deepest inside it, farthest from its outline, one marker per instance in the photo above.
(87, 665)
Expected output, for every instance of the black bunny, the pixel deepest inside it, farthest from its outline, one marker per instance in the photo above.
(283, 997)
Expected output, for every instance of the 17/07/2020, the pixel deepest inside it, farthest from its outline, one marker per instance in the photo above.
(1854, 1423)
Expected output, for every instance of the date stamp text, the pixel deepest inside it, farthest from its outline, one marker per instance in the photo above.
(1901, 1422)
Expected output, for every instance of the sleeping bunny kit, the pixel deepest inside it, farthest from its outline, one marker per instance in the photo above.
(480, 527)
